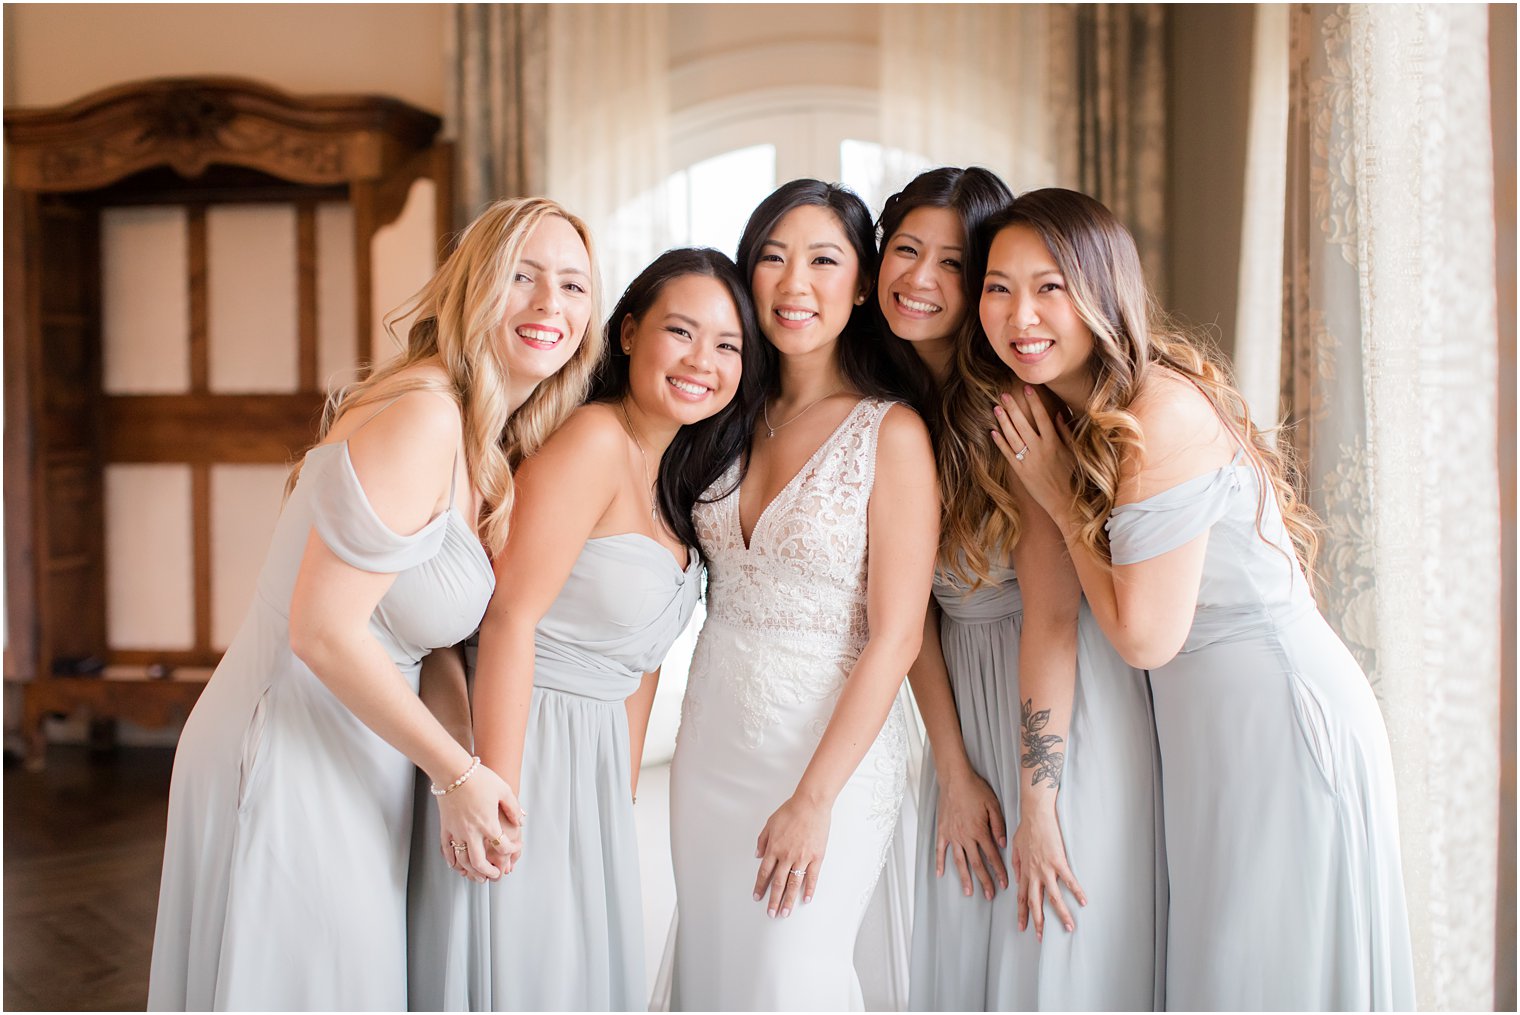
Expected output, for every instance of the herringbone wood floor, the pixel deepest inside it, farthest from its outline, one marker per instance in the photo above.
(84, 843)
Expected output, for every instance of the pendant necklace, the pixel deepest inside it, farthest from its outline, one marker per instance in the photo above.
(654, 515)
(770, 431)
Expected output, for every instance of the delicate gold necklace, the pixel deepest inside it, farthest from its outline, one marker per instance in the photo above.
(654, 514)
(770, 431)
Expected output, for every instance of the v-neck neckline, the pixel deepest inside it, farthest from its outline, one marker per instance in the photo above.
(747, 543)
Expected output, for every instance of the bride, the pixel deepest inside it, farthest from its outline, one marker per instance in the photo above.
(790, 766)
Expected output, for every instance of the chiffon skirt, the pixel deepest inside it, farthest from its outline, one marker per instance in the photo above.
(1282, 829)
(968, 954)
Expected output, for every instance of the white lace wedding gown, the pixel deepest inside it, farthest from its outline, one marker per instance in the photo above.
(786, 621)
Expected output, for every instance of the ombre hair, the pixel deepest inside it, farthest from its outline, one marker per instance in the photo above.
(457, 318)
(701, 452)
(978, 516)
(1132, 336)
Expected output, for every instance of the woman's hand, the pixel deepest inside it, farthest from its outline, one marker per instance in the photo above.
(790, 850)
(970, 823)
(1039, 863)
(1035, 447)
(480, 827)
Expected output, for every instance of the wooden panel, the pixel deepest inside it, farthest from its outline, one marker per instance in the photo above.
(72, 493)
(195, 658)
(76, 602)
(210, 428)
(62, 256)
(22, 307)
(200, 356)
(147, 702)
(365, 225)
(306, 295)
(68, 526)
(200, 549)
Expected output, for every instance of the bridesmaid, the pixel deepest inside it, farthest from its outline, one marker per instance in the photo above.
(290, 805)
(1282, 830)
(1003, 637)
(600, 577)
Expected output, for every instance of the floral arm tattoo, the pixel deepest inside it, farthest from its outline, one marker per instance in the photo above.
(1040, 751)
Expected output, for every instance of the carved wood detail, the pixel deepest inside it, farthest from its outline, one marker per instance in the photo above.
(189, 124)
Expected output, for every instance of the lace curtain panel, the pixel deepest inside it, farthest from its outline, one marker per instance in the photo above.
(570, 101)
(1388, 368)
(1068, 95)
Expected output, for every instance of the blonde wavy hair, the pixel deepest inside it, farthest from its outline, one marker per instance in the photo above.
(1132, 337)
(456, 318)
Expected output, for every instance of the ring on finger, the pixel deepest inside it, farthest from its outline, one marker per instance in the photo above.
(798, 872)
(458, 846)
(1018, 456)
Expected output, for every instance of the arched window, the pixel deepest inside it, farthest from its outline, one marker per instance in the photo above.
(734, 151)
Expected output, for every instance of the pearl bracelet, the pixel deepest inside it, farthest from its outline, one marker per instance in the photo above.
(451, 787)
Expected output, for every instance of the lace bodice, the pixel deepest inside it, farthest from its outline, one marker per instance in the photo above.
(804, 571)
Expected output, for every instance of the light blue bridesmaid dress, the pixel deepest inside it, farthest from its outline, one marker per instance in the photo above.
(968, 954)
(564, 930)
(1282, 830)
(284, 883)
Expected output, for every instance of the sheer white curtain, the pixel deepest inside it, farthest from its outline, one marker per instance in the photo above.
(978, 95)
(1069, 95)
(570, 101)
(1388, 366)
(1259, 314)
(608, 131)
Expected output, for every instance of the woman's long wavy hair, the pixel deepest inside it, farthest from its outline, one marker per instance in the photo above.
(701, 452)
(457, 319)
(978, 518)
(893, 376)
(1132, 336)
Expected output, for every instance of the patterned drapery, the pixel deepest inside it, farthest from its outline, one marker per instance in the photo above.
(1388, 367)
(497, 103)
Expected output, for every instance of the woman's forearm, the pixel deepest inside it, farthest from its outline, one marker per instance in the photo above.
(1052, 595)
(930, 681)
(858, 717)
(1096, 578)
(503, 695)
(361, 675)
(1047, 686)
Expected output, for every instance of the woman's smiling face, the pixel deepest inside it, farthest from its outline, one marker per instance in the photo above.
(1027, 313)
(685, 353)
(806, 281)
(920, 285)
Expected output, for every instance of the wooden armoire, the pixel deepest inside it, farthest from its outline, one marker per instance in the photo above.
(198, 144)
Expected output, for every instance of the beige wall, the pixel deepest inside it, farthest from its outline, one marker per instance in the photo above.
(718, 50)
(59, 52)
(1208, 101)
